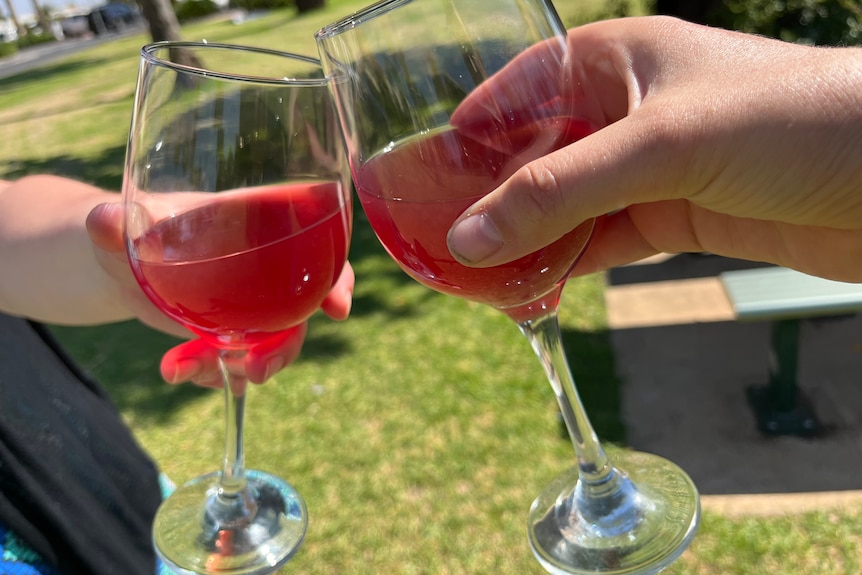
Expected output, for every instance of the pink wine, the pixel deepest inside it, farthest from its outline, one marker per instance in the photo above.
(413, 192)
(250, 263)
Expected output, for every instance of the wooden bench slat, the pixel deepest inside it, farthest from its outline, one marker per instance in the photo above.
(780, 293)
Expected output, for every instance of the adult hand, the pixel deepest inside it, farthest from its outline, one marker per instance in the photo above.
(711, 140)
(195, 360)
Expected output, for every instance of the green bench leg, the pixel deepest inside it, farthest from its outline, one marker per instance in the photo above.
(779, 406)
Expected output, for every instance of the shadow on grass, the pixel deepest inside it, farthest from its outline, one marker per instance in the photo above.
(105, 171)
(388, 277)
(124, 358)
(50, 72)
(46, 116)
(591, 359)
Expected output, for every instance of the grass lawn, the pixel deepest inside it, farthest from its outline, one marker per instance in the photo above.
(419, 430)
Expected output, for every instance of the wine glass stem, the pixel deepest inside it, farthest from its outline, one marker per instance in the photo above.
(544, 336)
(233, 503)
(233, 466)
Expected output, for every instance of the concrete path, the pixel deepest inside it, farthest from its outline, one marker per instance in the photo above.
(685, 364)
(45, 54)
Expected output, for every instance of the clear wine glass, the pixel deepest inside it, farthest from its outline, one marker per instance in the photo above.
(405, 75)
(237, 224)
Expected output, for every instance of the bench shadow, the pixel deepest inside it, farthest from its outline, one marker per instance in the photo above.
(684, 394)
(678, 267)
(592, 362)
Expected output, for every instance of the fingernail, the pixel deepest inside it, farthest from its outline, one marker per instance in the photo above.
(273, 366)
(474, 238)
(185, 369)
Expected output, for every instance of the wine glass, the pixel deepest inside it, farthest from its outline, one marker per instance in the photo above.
(404, 73)
(237, 224)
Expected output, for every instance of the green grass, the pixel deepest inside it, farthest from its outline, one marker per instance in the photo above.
(419, 430)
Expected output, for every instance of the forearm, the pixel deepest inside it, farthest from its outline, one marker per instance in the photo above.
(49, 269)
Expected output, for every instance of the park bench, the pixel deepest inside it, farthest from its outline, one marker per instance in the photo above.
(785, 297)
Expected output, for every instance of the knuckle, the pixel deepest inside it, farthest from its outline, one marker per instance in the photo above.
(542, 195)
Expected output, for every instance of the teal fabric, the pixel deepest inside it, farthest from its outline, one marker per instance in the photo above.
(17, 558)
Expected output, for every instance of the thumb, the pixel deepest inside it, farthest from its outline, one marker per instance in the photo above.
(105, 226)
(607, 171)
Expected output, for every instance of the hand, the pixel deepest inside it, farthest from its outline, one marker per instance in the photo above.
(712, 141)
(195, 360)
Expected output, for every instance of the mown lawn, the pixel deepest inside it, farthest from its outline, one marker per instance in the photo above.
(419, 430)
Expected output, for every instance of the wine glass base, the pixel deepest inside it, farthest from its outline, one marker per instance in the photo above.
(643, 526)
(190, 542)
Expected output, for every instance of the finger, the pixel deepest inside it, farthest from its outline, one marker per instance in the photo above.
(582, 79)
(501, 113)
(340, 298)
(105, 228)
(211, 379)
(505, 89)
(193, 360)
(622, 164)
(268, 358)
(616, 241)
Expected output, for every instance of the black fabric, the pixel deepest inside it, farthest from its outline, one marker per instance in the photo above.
(74, 483)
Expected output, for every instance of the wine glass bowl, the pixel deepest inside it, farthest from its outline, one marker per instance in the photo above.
(441, 102)
(412, 224)
(237, 224)
(404, 133)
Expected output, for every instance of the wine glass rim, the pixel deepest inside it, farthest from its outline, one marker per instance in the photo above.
(148, 53)
(349, 22)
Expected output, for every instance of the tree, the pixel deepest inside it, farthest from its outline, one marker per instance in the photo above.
(823, 22)
(164, 26)
(14, 17)
(41, 17)
(303, 6)
(162, 20)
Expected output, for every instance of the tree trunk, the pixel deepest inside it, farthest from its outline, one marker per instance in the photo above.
(14, 17)
(303, 6)
(164, 26)
(162, 20)
(41, 18)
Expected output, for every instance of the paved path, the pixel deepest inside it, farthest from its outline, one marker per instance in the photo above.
(44, 54)
(685, 365)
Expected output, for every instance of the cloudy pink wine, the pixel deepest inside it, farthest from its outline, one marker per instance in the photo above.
(413, 192)
(251, 263)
